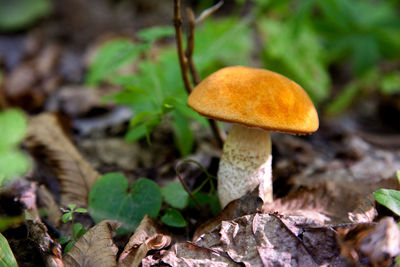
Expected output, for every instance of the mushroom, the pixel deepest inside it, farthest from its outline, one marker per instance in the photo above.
(256, 101)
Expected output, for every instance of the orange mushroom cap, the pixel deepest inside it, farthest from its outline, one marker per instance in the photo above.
(255, 98)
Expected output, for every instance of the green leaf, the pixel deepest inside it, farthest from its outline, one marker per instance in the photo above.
(136, 133)
(111, 56)
(69, 246)
(344, 99)
(72, 207)
(66, 217)
(13, 126)
(81, 210)
(222, 42)
(6, 256)
(174, 218)
(390, 83)
(182, 133)
(18, 14)
(175, 195)
(389, 198)
(211, 200)
(13, 163)
(64, 239)
(112, 198)
(303, 62)
(155, 33)
(76, 228)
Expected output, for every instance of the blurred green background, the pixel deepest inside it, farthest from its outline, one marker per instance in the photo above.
(340, 51)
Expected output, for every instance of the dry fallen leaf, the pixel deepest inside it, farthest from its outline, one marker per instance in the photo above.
(191, 255)
(258, 240)
(378, 243)
(95, 248)
(146, 237)
(53, 210)
(248, 204)
(76, 176)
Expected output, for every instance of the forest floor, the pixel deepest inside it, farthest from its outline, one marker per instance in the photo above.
(323, 213)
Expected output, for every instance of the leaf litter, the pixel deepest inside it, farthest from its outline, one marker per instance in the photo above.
(76, 176)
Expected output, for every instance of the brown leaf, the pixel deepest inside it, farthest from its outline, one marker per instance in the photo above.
(190, 255)
(248, 204)
(53, 210)
(76, 176)
(146, 237)
(261, 239)
(95, 248)
(379, 243)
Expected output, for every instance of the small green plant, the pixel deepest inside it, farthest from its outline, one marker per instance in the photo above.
(111, 197)
(389, 198)
(77, 229)
(13, 162)
(155, 92)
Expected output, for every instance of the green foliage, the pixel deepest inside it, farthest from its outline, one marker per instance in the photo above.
(155, 33)
(175, 195)
(296, 54)
(18, 14)
(389, 198)
(112, 198)
(365, 39)
(77, 229)
(156, 89)
(13, 162)
(390, 83)
(111, 57)
(6, 256)
(210, 199)
(174, 218)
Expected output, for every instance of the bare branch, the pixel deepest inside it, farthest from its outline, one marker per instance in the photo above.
(190, 46)
(186, 61)
(209, 11)
(179, 45)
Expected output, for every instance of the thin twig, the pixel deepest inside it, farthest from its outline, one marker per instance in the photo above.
(219, 135)
(209, 11)
(190, 46)
(179, 45)
(185, 186)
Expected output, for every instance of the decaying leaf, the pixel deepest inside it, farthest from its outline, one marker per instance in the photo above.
(378, 243)
(146, 237)
(76, 176)
(53, 210)
(259, 240)
(248, 204)
(191, 255)
(95, 248)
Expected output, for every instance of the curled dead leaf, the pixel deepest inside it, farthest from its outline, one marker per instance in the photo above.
(146, 237)
(95, 248)
(47, 141)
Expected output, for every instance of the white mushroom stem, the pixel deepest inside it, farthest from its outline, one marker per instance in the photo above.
(245, 164)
